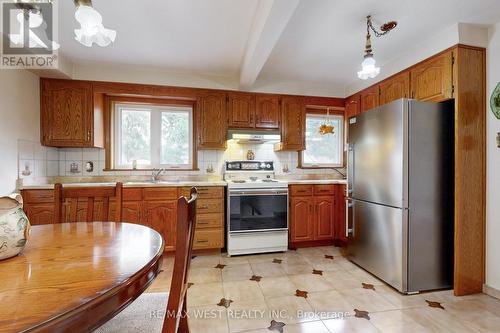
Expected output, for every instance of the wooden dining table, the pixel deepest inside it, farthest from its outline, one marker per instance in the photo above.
(73, 277)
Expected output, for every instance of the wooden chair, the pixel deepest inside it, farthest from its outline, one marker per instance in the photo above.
(72, 194)
(175, 317)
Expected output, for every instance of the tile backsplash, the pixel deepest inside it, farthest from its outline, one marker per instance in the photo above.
(38, 161)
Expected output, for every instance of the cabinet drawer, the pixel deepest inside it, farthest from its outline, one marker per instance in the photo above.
(38, 196)
(211, 220)
(209, 206)
(210, 192)
(132, 194)
(301, 190)
(160, 193)
(324, 189)
(208, 239)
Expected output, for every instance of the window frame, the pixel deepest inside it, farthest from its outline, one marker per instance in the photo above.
(342, 141)
(156, 110)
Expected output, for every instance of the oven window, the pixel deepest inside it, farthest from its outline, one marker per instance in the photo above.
(255, 212)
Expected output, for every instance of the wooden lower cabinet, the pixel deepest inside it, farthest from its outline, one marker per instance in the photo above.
(39, 214)
(152, 207)
(162, 217)
(314, 214)
(301, 219)
(324, 214)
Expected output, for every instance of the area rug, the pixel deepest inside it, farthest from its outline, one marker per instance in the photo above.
(145, 314)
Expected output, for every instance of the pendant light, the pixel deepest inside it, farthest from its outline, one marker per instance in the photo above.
(368, 66)
(91, 28)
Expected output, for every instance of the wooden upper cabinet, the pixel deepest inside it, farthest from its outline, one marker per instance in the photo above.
(352, 107)
(293, 122)
(369, 98)
(432, 80)
(67, 114)
(212, 121)
(267, 111)
(241, 110)
(395, 88)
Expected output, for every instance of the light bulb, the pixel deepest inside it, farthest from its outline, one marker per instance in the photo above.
(368, 69)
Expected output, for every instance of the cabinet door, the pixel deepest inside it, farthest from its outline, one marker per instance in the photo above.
(324, 217)
(39, 214)
(369, 98)
(212, 121)
(293, 123)
(301, 219)
(431, 80)
(352, 106)
(66, 113)
(340, 216)
(162, 217)
(241, 110)
(267, 112)
(132, 212)
(395, 88)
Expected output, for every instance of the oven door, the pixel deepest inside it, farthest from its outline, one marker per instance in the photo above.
(254, 210)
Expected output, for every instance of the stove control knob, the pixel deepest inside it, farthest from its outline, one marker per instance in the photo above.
(268, 166)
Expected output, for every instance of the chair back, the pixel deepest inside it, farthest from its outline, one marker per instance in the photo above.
(175, 317)
(72, 194)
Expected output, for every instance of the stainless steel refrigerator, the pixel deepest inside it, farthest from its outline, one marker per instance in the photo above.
(401, 194)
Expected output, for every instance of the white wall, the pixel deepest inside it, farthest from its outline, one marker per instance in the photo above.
(493, 166)
(19, 119)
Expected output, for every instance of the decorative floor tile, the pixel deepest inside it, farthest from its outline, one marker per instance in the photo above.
(276, 326)
(433, 304)
(317, 272)
(256, 278)
(301, 293)
(361, 314)
(368, 286)
(225, 303)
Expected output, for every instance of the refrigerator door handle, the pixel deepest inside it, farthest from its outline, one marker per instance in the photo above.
(349, 220)
(350, 169)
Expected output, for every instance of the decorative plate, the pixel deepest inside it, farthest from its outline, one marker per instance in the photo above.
(495, 101)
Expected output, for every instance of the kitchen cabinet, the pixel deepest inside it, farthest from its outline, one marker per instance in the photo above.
(212, 121)
(241, 110)
(301, 219)
(369, 98)
(395, 88)
(68, 117)
(324, 214)
(352, 106)
(267, 111)
(39, 214)
(162, 217)
(293, 122)
(155, 207)
(314, 214)
(432, 79)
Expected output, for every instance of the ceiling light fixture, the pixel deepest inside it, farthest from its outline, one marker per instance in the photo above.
(91, 29)
(368, 68)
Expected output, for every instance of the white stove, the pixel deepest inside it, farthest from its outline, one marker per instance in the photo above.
(257, 208)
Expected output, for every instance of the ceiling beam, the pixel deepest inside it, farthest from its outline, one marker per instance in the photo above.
(270, 20)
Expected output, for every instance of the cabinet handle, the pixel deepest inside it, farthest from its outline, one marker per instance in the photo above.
(203, 207)
(202, 241)
(88, 135)
(203, 222)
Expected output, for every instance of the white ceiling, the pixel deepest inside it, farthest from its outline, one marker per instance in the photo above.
(320, 42)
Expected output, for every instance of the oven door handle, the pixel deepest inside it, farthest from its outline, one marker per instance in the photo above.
(239, 193)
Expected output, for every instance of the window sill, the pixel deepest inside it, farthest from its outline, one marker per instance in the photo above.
(321, 167)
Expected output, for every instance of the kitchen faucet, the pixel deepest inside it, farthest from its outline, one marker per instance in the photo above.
(155, 174)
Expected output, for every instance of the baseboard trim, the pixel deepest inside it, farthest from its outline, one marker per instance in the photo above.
(491, 291)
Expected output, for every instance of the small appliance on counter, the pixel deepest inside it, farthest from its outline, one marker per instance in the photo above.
(257, 208)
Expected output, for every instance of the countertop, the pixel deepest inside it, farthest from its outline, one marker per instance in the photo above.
(48, 184)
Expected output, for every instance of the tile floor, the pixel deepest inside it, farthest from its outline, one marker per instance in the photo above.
(316, 290)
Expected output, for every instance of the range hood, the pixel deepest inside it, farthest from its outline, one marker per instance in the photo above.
(253, 137)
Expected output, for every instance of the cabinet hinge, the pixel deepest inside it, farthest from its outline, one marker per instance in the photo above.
(452, 59)
(452, 89)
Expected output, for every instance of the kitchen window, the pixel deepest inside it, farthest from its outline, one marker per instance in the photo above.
(153, 136)
(323, 151)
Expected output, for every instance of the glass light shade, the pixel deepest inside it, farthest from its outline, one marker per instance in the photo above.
(91, 28)
(368, 68)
